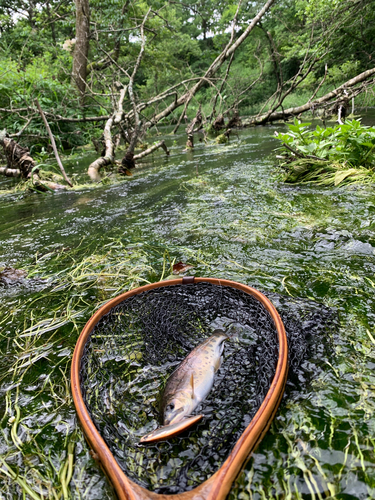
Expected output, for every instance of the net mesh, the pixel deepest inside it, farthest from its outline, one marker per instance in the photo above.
(134, 348)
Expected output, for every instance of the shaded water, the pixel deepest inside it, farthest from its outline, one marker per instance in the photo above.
(224, 210)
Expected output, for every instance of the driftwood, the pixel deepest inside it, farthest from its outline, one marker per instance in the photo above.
(151, 149)
(115, 119)
(18, 158)
(118, 118)
(21, 164)
(109, 150)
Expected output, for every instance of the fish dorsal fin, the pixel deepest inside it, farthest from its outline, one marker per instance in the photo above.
(192, 385)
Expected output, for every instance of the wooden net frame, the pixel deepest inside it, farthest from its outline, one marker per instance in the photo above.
(219, 484)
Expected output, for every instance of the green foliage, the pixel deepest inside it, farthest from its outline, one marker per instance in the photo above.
(333, 155)
(45, 80)
(182, 40)
(221, 139)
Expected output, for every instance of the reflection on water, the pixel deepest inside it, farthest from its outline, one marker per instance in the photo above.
(224, 210)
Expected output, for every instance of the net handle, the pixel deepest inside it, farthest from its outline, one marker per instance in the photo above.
(218, 485)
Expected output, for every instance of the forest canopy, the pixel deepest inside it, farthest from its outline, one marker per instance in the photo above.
(109, 71)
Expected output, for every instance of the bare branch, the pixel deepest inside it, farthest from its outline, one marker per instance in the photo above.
(53, 144)
(59, 118)
(321, 83)
(109, 158)
(117, 116)
(23, 128)
(349, 86)
(151, 149)
(225, 54)
(134, 138)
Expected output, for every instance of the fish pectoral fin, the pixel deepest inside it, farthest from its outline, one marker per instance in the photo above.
(192, 385)
(218, 363)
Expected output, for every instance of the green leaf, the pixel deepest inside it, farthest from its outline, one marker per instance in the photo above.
(312, 147)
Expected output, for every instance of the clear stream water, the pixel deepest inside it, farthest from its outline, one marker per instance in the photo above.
(223, 209)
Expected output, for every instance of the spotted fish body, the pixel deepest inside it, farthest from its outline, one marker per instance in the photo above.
(193, 379)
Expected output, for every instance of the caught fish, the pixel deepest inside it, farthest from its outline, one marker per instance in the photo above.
(168, 431)
(193, 379)
(188, 386)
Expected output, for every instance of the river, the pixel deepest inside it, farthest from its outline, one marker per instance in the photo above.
(224, 210)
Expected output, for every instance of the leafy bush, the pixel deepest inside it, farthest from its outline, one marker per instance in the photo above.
(44, 79)
(331, 156)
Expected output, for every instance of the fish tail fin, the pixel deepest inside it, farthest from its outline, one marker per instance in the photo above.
(234, 337)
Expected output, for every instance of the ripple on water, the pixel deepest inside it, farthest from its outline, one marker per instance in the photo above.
(223, 210)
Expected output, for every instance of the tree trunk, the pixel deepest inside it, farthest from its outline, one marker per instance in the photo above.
(81, 48)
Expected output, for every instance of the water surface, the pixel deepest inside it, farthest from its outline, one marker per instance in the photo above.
(223, 209)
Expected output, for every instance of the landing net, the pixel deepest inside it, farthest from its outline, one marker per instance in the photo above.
(135, 347)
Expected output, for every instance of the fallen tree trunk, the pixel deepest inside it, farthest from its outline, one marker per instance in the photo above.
(21, 164)
(109, 156)
(10, 172)
(128, 161)
(115, 119)
(18, 157)
(133, 114)
(337, 93)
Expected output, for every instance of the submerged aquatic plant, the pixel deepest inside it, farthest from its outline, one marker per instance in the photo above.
(232, 222)
(343, 154)
(43, 455)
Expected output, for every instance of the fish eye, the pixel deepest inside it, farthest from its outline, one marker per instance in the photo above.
(170, 406)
